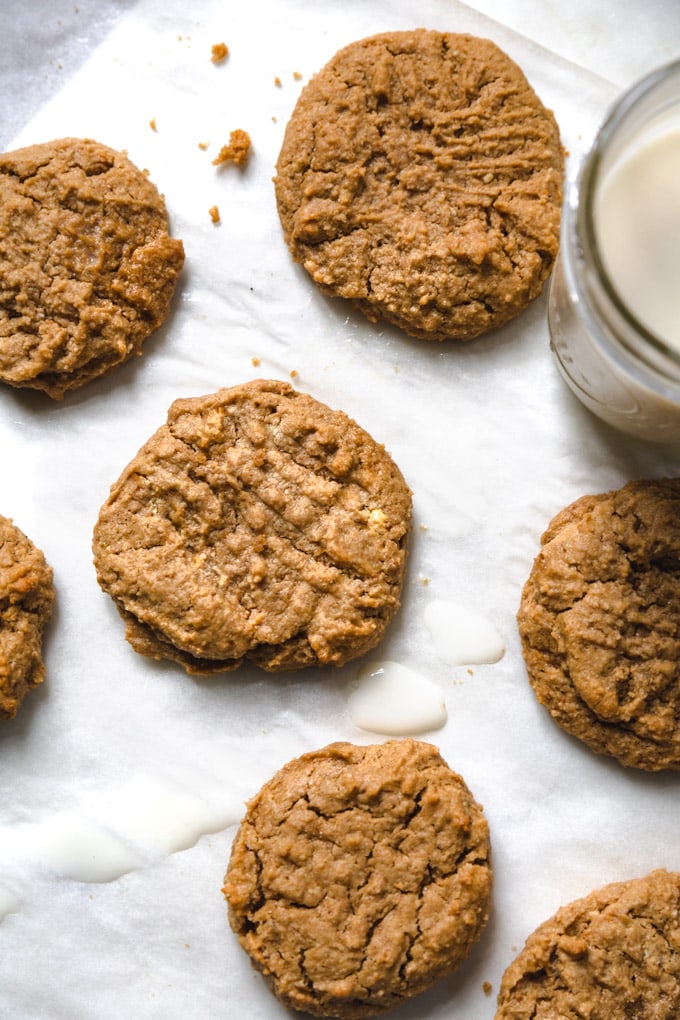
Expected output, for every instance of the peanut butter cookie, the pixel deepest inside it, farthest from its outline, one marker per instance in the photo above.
(256, 524)
(613, 955)
(26, 599)
(87, 269)
(421, 178)
(359, 877)
(600, 622)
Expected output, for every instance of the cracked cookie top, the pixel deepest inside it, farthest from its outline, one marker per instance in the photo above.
(256, 524)
(359, 877)
(612, 955)
(87, 269)
(26, 599)
(599, 621)
(421, 178)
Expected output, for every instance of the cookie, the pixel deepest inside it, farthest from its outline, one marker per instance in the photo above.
(420, 177)
(87, 269)
(26, 599)
(359, 877)
(256, 524)
(599, 620)
(613, 955)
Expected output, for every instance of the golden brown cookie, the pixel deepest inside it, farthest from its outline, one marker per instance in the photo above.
(421, 178)
(87, 269)
(613, 955)
(600, 622)
(26, 599)
(256, 524)
(359, 877)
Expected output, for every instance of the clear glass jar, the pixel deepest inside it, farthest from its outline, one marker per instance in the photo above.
(621, 371)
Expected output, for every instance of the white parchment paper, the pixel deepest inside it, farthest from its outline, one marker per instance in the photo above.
(487, 436)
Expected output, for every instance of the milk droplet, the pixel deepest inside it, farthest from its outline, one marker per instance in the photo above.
(460, 636)
(164, 818)
(9, 904)
(395, 700)
(147, 819)
(73, 846)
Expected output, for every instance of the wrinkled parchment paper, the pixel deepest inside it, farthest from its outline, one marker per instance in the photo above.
(486, 434)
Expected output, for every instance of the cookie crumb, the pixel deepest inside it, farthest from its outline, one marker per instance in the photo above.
(214, 213)
(487, 987)
(425, 581)
(297, 76)
(293, 373)
(237, 151)
(219, 53)
(278, 82)
(255, 362)
(203, 146)
(153, 125)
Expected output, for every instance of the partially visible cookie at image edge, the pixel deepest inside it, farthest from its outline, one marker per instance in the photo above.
(420, 177)
(359, 877)
(26, 600)
(257, 525)
(599, 621)
(612, 955)
(87, 267)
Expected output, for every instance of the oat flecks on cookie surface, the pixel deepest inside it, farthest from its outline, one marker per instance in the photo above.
(87, 268)
(359, 877)
(26, 600)
(600, 622)
(613, 955)
(420, 177)
(245, 529)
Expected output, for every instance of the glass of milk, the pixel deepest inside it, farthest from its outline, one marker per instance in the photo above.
(614, 305)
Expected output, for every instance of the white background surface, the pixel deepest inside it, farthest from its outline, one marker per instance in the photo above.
(486, 434)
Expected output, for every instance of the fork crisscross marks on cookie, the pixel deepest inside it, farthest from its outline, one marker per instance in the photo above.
(256, 523)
